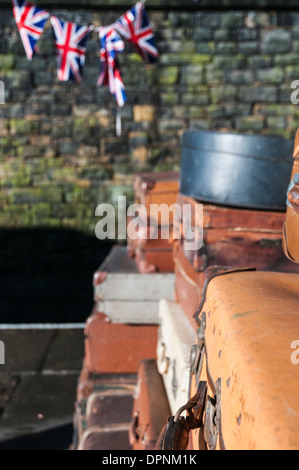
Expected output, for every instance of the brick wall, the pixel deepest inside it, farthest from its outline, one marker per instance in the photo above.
(59, 153)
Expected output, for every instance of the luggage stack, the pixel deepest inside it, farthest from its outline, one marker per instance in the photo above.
(121, 335)
(198, 349)
(239, 291)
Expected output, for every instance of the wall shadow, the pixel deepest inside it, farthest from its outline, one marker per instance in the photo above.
(46, 274)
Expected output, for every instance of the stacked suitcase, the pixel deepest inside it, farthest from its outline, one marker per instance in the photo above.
(174, 343)
(121, 335)
(151, 251)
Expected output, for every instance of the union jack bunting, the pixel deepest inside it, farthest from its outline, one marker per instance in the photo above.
(111, 46)
(134, 26)
(30, 21)
(70, 40)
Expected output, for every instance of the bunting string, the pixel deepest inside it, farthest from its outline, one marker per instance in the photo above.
(71, 39)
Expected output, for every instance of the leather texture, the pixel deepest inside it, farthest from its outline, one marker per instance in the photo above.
(236, 170)
(150, 409)
(251, 320)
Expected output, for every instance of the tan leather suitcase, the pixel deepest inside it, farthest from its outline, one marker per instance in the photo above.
(231, 237)
(150, 408)
(243, 352)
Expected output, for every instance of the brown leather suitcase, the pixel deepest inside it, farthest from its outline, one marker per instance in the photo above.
(160, 188)
(231, 237)
(150, 409)
(108, 415)
(112, 348)
(90, 384)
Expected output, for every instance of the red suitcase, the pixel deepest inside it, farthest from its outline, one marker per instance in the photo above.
(231, 237)
(115, 348)
(150, 409)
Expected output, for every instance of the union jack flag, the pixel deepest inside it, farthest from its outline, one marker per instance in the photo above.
(30, 21)
(70, 46)
(111, 46)
(134, 26)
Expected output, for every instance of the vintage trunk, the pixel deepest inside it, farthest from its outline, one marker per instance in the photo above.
(112, 348)
(236, 170)
(175, 338)
(247, 323)
(150, 408)
(157, 192)
(231, 237)
(132, 298)
(113, 387)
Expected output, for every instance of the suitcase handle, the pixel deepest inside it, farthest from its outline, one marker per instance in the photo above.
(175, 433)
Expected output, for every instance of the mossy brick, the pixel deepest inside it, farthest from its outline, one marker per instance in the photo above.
(168, 75)
(241, 77)
(258, 94)
(192, 74)
(17, 79)
(67, 147)
(275, 110)
(169, 98)
(203, 34)
(223, 93)
(249, 47)
(283, 60)
(236, 109)
(192, 112)
(276, 41)
(215, 111)
(207, 18)
(259, 61)
(137, 138)
(276, 122)
(23, 126)
(215, 75)
(36, 195)
(96, 173)
(226, 47)
(229, 62)
(17, 110)
(205, 48)
(232, 20)
(7, 62)
(275, 75)
(292, 72)
(16, 218)
(250, 123)
(198, 98)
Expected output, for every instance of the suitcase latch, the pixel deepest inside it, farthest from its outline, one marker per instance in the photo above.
(197, 350)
